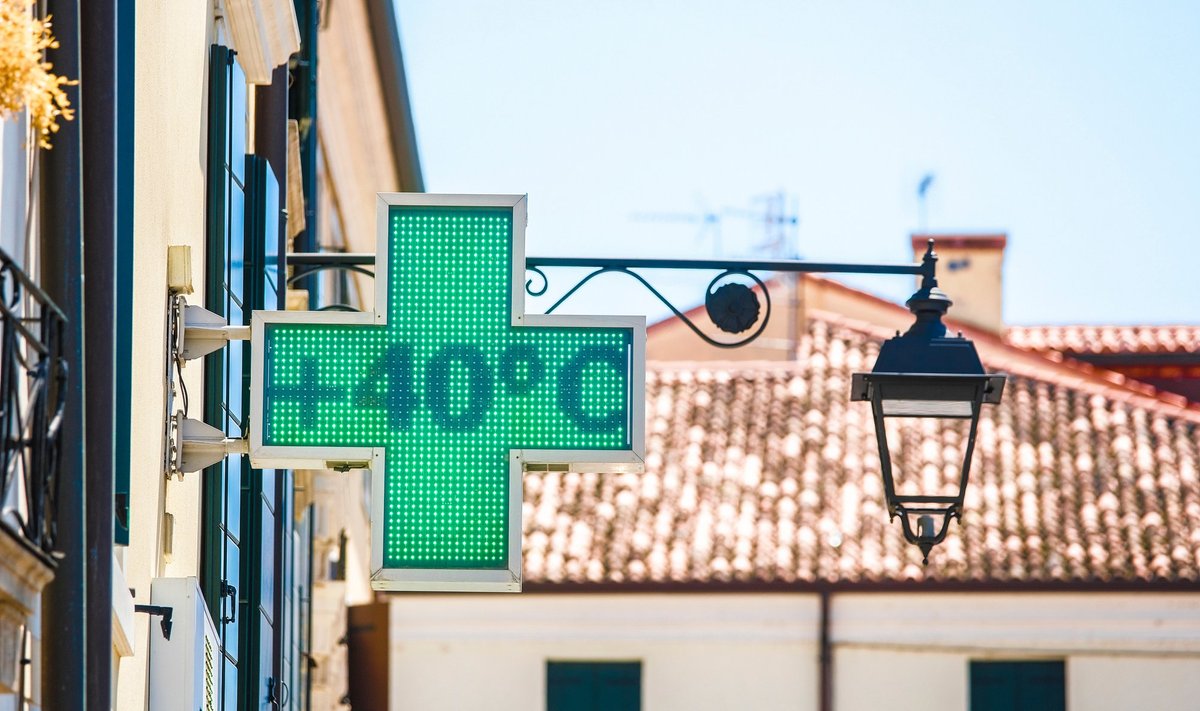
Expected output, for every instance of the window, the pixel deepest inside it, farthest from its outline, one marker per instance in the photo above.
(1018, 686)
(266, 493)
(593, 686)
(244, 553)
(222, 538)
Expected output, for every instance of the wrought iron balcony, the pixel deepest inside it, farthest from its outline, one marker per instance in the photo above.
(33, 378)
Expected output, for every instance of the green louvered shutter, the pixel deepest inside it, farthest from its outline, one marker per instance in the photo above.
(1018, 686)
(593, 686)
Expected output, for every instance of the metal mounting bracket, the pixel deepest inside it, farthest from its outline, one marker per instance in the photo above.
(193, 332)
(161, 610)
(204, 332)
(200, 445)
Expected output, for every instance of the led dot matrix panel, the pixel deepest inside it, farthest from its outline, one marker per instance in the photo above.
(449, 389)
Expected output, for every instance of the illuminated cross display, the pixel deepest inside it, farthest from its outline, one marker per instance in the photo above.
(448, 391)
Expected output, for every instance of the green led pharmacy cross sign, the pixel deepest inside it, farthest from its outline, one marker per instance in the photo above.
(448, 391)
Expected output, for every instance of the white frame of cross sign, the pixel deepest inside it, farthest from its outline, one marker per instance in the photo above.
(520, 460)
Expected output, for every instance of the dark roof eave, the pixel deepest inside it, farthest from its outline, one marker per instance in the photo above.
(385, 38)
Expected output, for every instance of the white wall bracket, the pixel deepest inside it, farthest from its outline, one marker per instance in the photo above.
(205, 332)
(193, 332)
(201, 445)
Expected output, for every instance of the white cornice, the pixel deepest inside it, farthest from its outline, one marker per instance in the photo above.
(265, 34)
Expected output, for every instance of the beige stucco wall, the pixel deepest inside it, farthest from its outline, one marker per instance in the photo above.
(1118, 683)
(972, 275)
(870, 679)
(172, 43)
(747, 651)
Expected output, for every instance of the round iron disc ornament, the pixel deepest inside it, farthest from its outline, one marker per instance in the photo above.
(733, 307)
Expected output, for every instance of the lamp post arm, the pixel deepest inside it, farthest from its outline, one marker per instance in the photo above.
(792, 266)
(728, 310)
(795, 266)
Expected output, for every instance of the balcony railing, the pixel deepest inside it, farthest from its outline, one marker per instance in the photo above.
(33, 379)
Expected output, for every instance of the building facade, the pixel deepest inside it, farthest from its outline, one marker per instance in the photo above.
(211, 141)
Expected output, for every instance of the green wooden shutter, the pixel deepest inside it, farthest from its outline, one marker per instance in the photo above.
(123, 318)
(1018, 686)
(593, 686)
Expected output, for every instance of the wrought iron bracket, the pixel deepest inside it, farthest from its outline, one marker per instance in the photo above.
(732, 306)
(714, 288)
(161, 611)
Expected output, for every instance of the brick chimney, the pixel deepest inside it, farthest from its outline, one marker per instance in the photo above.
(970, 271)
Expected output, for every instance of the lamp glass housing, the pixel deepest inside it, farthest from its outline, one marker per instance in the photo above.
(938, 415)
(926, 396)
(926, 456)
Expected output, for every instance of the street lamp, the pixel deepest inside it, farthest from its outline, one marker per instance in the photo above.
(925, 374)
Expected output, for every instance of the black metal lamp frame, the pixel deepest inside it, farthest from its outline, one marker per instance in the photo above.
(924, 507)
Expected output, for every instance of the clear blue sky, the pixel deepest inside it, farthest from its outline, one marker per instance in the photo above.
(1074, 127)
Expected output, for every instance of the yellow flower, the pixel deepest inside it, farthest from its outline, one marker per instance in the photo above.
(26, 79)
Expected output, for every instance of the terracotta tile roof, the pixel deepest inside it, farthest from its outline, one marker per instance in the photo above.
(1106, 339)
(765, 473)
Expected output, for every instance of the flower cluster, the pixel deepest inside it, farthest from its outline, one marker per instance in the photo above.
(26, 79)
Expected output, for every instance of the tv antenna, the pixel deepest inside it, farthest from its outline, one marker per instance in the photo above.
(775, 213)
(923, 202)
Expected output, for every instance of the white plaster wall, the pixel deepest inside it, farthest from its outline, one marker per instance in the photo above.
(911, 651)
(871, 679)
(867, 679)
(171, 44)
(1051, 623)
(1120, 683)
(697, 651)
(1122, 651)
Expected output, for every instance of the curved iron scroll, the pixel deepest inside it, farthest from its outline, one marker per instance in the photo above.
(762, 324)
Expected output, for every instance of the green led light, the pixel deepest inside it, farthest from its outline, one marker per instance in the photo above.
(448, 387)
